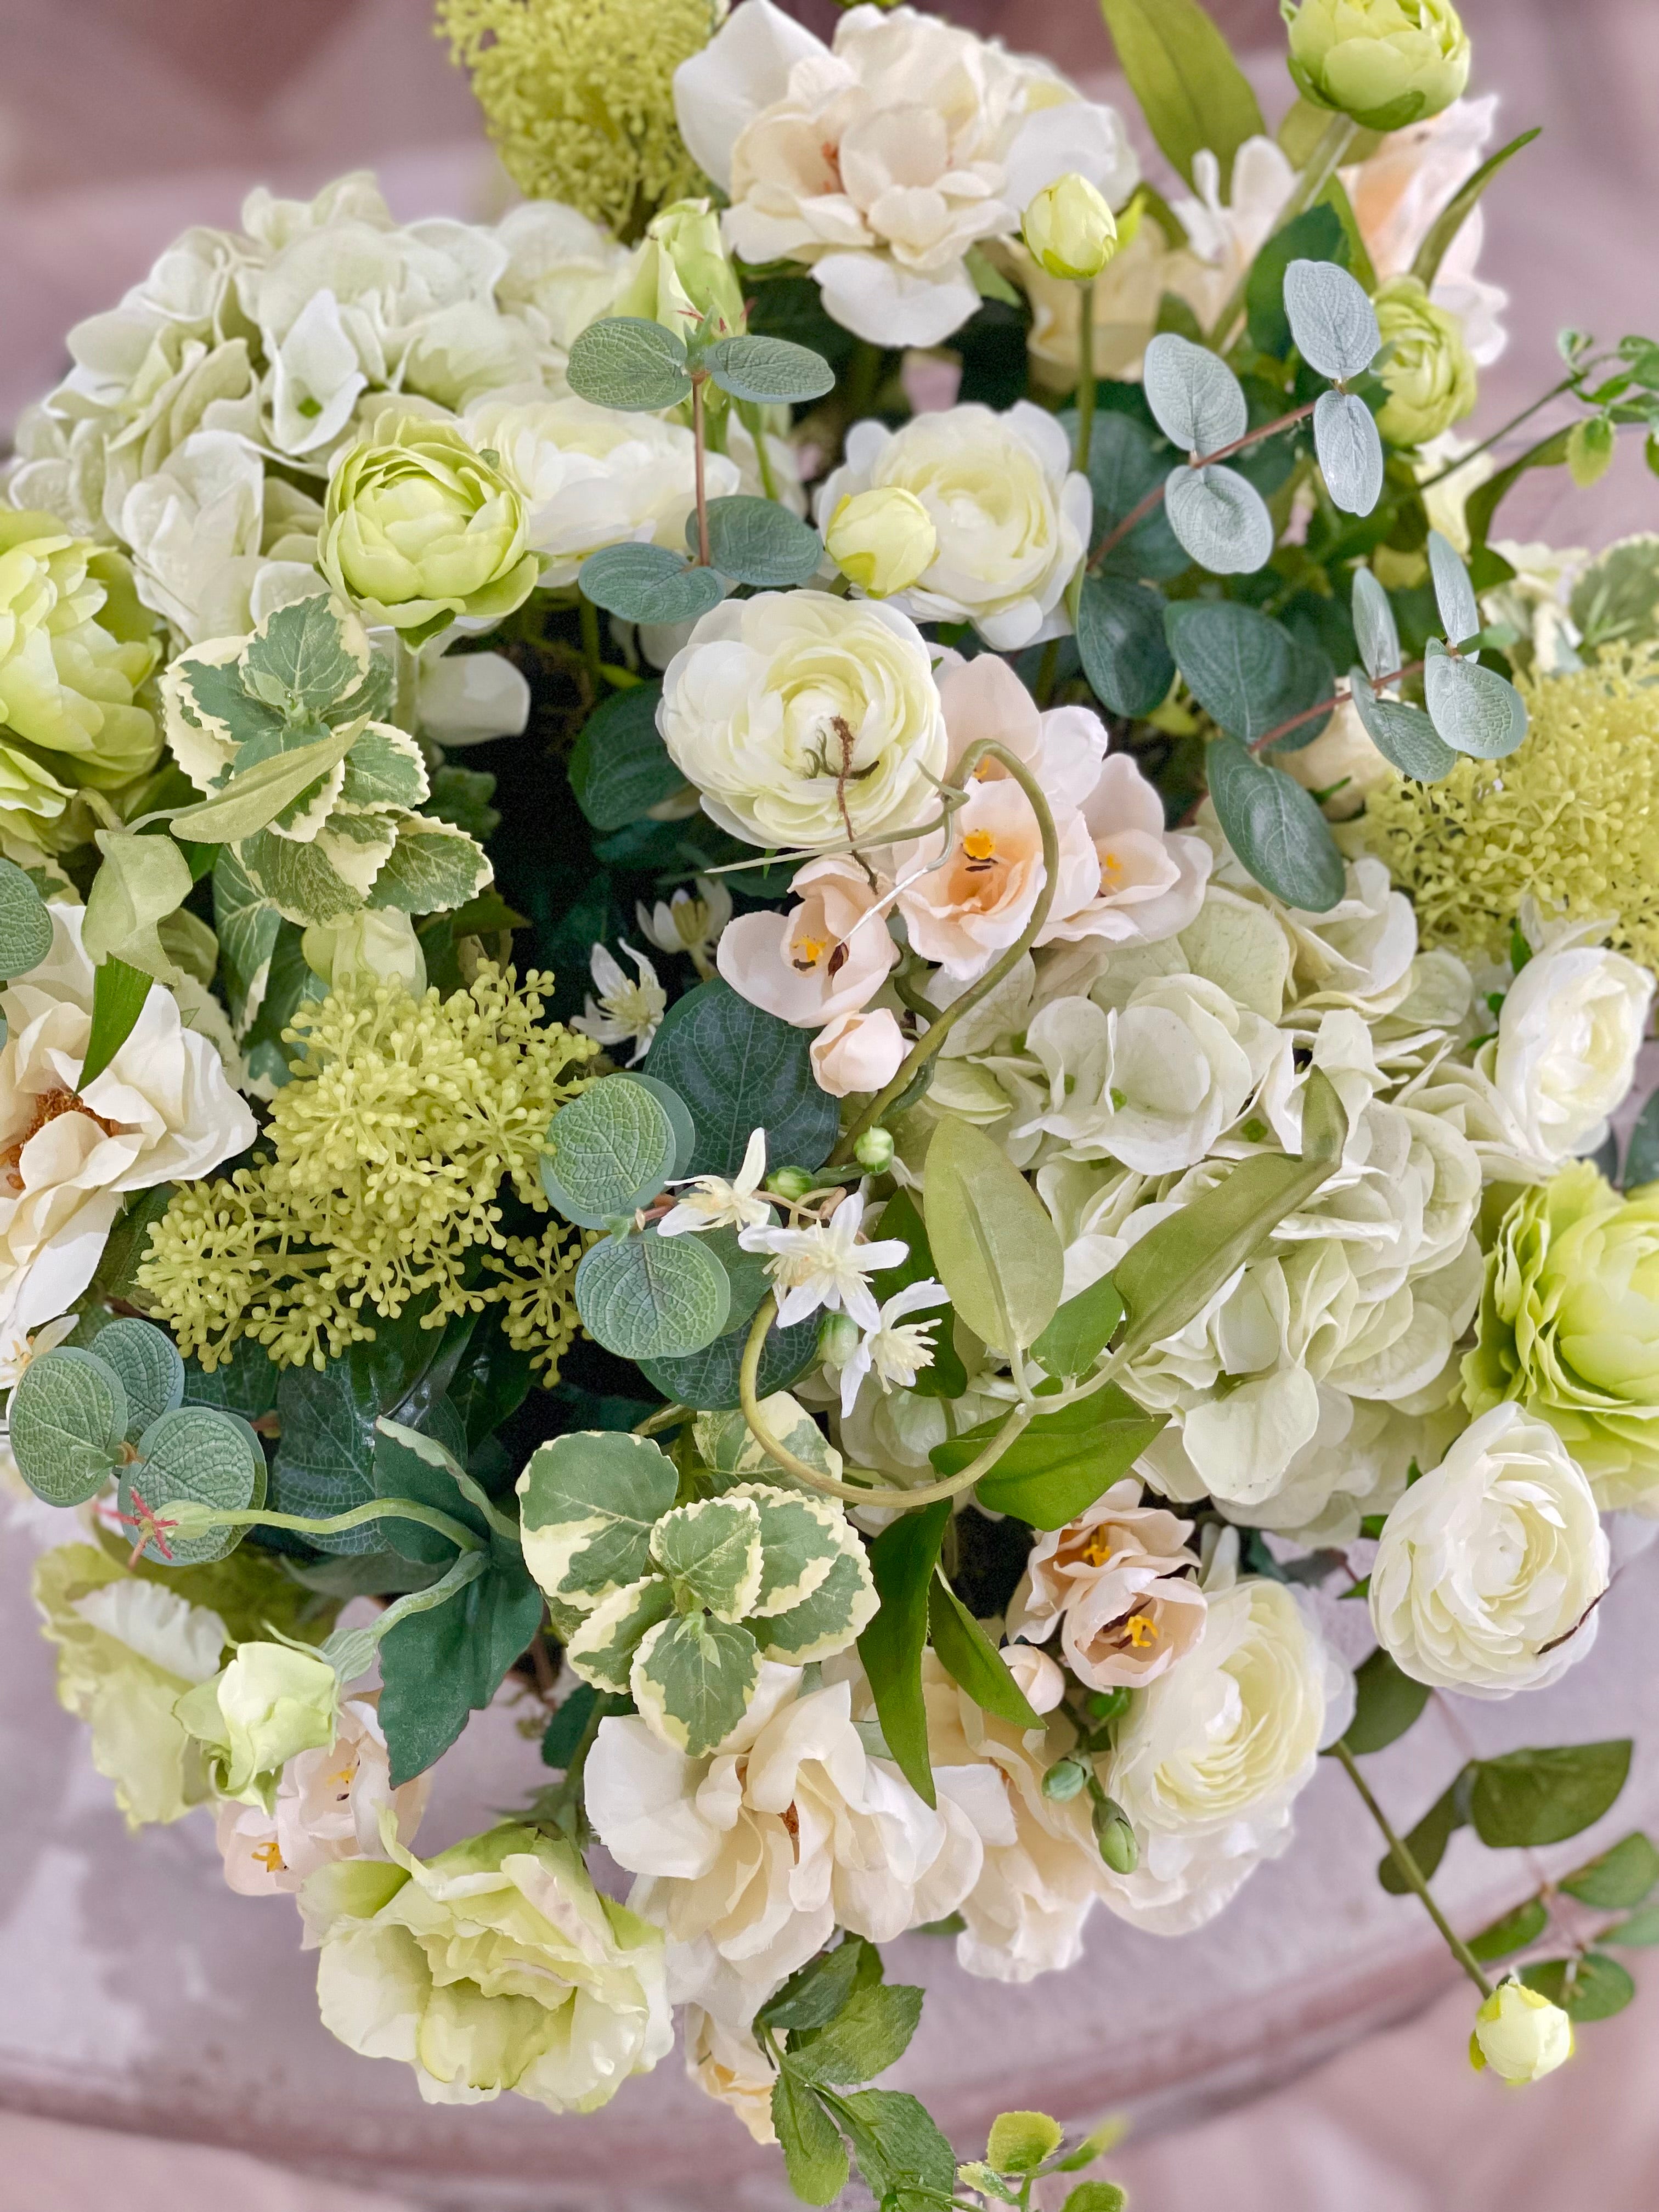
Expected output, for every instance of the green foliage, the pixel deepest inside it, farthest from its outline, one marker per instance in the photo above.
(1196, 400)
(1457, 210)
(1121, 641)
(1300, 293)
(1059, 1462)
(1519, 1800)
(619, 766)
(612, 1147)
(902, 1561)
(767, 370)
(25, 923)
(1019, 2141)
(1386, 1704)
(970, 1658)
(1246, 671)
(757, 541)
(1275, 827)
(68, 1420)
(1080, 1330)
(645, 1297)
(648, 584)
(1191, 90)
(1592, 1987)
(198, 1455)
(152, 1374)
(739, 1068)
(1516, 1931)
(626, 362)
(1350, 450)
(1129, 460)
(708, 1379)
(119, 993)
(1620, 1877)
(248, 924)
(443, 1664)
(997, 1251)
(1404, 735)
(1474, 710)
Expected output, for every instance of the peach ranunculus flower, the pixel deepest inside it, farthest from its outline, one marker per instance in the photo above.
(826, 957)
(162, 1111)
(1151, 880)
(858, 1052)
(1116, 1584)
(880, 162)
(328, 1806)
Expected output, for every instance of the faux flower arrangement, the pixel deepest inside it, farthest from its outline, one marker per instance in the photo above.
(1112, 956)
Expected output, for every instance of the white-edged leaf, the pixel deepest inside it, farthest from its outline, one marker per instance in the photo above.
(711, 1549)
(259, 794)
(588, 1501)
(1221, 518)
(831, 1618)
(1454, 593)
(601, 1647)
(692, 1680)
(1196, 400)
(735, 1458)
(1403, 735)
(1350, 450)
(801, 1538)
(1475, 709)
(1375, 626)
(432, 868)
(1332, 319)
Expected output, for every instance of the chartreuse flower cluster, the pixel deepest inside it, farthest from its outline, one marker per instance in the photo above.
(387, 1155)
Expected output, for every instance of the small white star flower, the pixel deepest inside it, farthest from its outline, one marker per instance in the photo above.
(17, 1349)
(711, 1202)
(629, 1007)
(895, 1350)
(691, 922)
(826, 1266)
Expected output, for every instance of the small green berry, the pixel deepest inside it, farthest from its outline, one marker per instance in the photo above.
(874, 1150)
(790, 1183)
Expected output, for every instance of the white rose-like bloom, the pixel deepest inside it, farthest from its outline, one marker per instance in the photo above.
(750, 1857)
(1568, 1035)
(1011, 515)
(592, 476)
(1488, 1565)
(329, 1803)
(727, 2064)
(1520, 2034)
(881, 163)
(162, 1111)
(1211, 1757)
(801, 717)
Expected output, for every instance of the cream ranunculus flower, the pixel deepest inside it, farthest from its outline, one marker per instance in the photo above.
(495, 1965)
(1010, 515)
(804, 719)
(1520, 2034)
(1386, 63)
(880, 163)
(329, 1803)
(162, 1111)
(825, 957)
(1115, 1583)
(748, 1858)
(590, 476)
(1570, 1029)
(1430, 372)
(1489, 1568)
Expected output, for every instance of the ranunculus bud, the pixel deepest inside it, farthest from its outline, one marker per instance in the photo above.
(874, 1150)
(1386, 63)
(881, 539)
(1070, 230)
(1115, 1837)
(1064, 1779)
(680, 276)
(1429, 371)
(1520, 2034)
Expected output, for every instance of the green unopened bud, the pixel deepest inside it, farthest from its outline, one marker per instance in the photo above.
(789, 1183)
(838, 1339)
(680, 276)
(1428, 368)
(1106, 1705)
(882, 539)
(1064, 1779)
(1070, 230)
(1386, 63)
(874, 1150)
(186, 1517)
(1115, 1837)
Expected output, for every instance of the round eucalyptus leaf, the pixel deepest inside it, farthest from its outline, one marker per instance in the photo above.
(1221, 521)
(685, 1129)
(1121, 642)
(1403, 735)
(1195, 398)
(611, 1150)
(209, 1457)
(757, 541)
(1332, 319)
(651, 1296)
(1374, 626)
(626, 363)
(25, 924)
(1275, 828)
(648, 584)
(152, 1373)
(1350, 450)
(708, 1379)
(768, 369)
(1475, 709)
(1247, 670)
(1454, 593)
(68, 1417)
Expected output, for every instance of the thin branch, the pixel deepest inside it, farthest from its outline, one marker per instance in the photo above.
(1154, 498)
(1412, 1874)
(1329, 706)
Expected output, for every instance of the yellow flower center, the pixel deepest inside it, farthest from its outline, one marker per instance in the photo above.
(271, 1857)
(1097, 1551)
(808, 951)
(1141, 1630)
(981, 848)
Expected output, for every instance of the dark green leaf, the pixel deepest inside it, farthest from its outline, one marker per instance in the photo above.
(119, 993)
(564, 1732)
(757, 541)
(1620, 1877)
(25, 923)
(1316, 234)
(648, 584)
(1061, 1461)
(1428, 1840)
(1128, 459)
(244, 1382)
(1642, 1154)
(619, 765)
(1516, 1931)
(968, 1657)
(901, 1560)
(439, 1666)
(737, 1069)
(398, 1472)
(1641, 1930)
(1275, 828)
(1121, 640)
(814, 2157)
(1081, 1330)
(815, 1993)
(870, 2033)
(1594, 1987)
(1534, 1797)
(904, 2158)
(1387, 1704)
(708, 1379)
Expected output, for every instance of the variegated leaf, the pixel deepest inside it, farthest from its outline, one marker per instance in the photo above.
(692, 1680)
(712, 1550)
(835, 1615)
(588, 1502)
(384, 768)
(602, 1648)
(732, 1455)
(801, 1539)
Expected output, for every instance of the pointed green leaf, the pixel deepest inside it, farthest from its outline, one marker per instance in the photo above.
(1275, 827)
(1457, 210)
(814, 2157)
(1081, 1330)
(119, 993)
(997, 1251)
(969, 1657)
(902, 1562)
(1192, 92)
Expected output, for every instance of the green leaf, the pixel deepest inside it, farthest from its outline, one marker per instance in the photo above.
(1620, 1877)
(431, 868)
(1196, 400)
(25, 923)
(816, 1992)
(604, 1644)
(900, 1219)
(1403, 735)
(692, 1679)
(997, 1252)
(1516, 1931)
(648, 584)
(460, 796)
(968, 1657)
(871, 2032)
(1458, 209)
(119, 993)
(1244, 669)
(68, 1417)
(611, 1150)
(739, 1068)
(757, 541)
(407, 1466)
(1641, 1930)
(1314, 239)
(1221, 519)
(1594, 1987)
(711, 1550)
(619, 765)
(1374, 627)
(298, 661)
(385, 768)
(1534, 1797)
(767, 370)
(247, 923)
(439, 1666)
(814, 2157)
(303, 882)
(1019, 2141)
(1176, 1269)
(1121, 642)
(1454, 593)
(1096, 2196)
(1387, 1703)
(1475, 710)
(1331, 317)
(1081, 1330)
(801, 1537)
(648, 1297)
(1591, 445)
(826, 1620)
(1191, 90)
(257, 796)
(1350, 450)
(588, 1502)
(1480, 509)
(245, 1383)
(708, 1379)
(901, 1560)
(1128, 461)
(1061, 1461)
(626, 362)
(1428, 1840)
(1275, 828)
(152, 1374)
(904, 2158)
(209, 1458)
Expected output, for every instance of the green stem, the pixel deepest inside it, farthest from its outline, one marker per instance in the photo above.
(1047, 669)
(334, 1524)
(1086, 374)
(925, 1047)
(591, 654)
(664, 1418)
(749, 415)
(699, 434)
(1412, 1874)
(1497, 437)
(1323, 165)
(863, 375)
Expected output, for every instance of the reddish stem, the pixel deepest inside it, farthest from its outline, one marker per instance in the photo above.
(1137, 515)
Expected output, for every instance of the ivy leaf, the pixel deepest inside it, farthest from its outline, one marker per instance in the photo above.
(247, 923)
(431, 868)
(1128, 459)
(708, 1379)
(711, 1550)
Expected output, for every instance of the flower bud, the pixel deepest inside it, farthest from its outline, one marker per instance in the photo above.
(1070, 230)
(680, 276)
(882, 539)
(789, 1183)
(1520, 2034)
(1108, 1704)
(1063, 1780)
(874, 1150)
(838, 1339)
(1386, 63)
(376, 943)
(1115, 1837)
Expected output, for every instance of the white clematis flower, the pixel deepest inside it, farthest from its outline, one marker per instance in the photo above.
(894, 1351)
(825, 1265)
(691, 922)
(711, 1202)
(630, 1007)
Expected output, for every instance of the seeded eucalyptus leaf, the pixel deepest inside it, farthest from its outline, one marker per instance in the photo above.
(610, 1151)
(152, 1374)
(1221, 520)
(648, 584)
(1276, 828)
(739, 1068)
(626, 362)
(1454, 593)
(25, 923)
(767, 369)
(1245, 670)
(1404, 735)
(1332, 319)
(997, 1251)
(207, 1457)
(1374, 626)
(648, 1297)
(1350, 450)
(1197, 401)
(757, 541)
(692, 1679)
(1121, 643)
(68, 1417)
(588, 1502)
(1474, 710)
(711, 1550)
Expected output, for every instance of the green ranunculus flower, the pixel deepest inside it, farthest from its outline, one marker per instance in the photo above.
(681, 277)
(1386, 63)
(1570, 1328)
(495, 1965)
(270, 1701)
(421, 530)
(1430, 373)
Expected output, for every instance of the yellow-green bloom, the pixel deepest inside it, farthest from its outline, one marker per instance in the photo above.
(270, 1701)
(1430, 373)
(495, 1965)
(420, 530)
(680, 276)
(1569, 1328)
(1520, 2034)
(1386, 63)
(881, 539)
(1070, 229)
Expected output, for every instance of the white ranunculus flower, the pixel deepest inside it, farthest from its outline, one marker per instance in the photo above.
(748, 1858)
(1011, 515)
(1520, 2033)
(880, 163)
(161, 1112)
(1210, 1758)
(195, 529)
(1490, 1563)
(329, 1804)
(1571, 1027)
(803, 717)
(592, 476)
